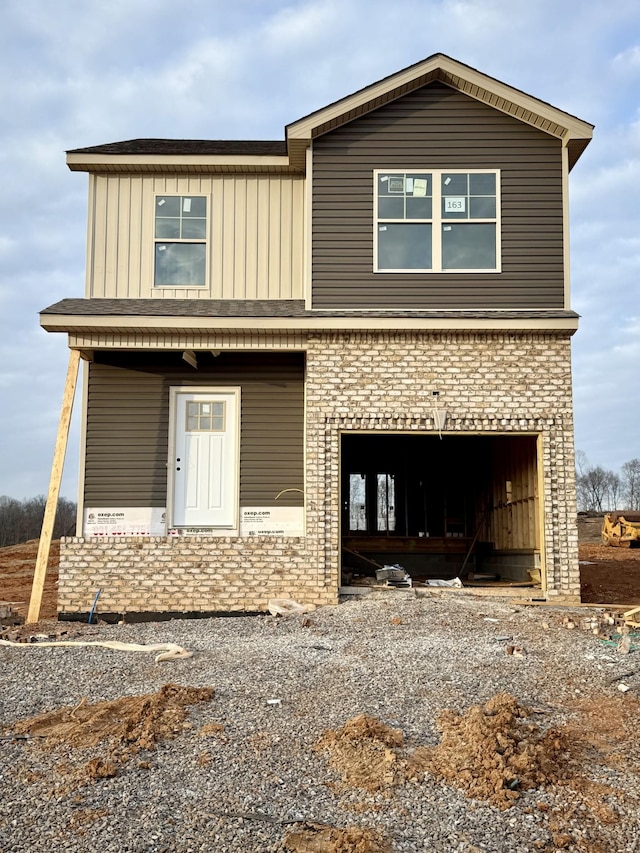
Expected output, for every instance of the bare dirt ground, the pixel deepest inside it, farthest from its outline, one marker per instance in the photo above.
(607, 575)
(610, 575)
(17, 564)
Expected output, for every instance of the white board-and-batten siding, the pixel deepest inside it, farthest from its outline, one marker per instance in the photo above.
(255, 233)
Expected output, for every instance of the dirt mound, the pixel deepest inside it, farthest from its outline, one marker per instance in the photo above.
(316, 838)
(17, 566)
(125, 725)
(364, 751)
(490, 752)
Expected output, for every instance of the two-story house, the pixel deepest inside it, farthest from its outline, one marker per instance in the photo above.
(313, 356)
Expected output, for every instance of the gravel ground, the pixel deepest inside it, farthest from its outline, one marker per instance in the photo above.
(392, 655)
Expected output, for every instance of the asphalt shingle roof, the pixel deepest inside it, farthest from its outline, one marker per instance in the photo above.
(269, 308)
(187, 146)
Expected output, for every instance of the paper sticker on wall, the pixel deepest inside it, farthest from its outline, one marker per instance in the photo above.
(272, 521)
(420, 187)
(124, 521)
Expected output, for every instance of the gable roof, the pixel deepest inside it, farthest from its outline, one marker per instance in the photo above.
(574, 132)
(199, 155)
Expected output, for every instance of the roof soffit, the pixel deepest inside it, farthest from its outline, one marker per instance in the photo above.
(177, 164)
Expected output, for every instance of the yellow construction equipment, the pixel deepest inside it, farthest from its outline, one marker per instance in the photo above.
(621, 529)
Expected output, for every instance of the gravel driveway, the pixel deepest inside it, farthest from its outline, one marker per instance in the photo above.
(242, 786)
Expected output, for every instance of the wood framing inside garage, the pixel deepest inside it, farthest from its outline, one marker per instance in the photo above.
(443, 506)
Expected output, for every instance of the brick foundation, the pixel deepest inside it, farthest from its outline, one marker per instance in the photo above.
(195, 573)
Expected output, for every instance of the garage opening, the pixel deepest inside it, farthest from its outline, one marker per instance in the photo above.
(457, 506)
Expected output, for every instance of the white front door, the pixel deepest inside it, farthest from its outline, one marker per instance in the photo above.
(204, 459)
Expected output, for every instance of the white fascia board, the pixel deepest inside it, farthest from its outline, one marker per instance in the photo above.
(133, 162)
(66, 322)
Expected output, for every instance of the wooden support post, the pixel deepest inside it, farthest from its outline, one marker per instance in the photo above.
(46, 534)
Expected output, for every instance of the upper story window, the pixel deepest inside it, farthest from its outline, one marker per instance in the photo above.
(437, 221)
(180, 241)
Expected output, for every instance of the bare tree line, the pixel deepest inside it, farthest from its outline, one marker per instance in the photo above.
(600, 489)
(22, 520)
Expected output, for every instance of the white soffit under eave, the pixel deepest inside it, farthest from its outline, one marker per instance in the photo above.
(442, 68)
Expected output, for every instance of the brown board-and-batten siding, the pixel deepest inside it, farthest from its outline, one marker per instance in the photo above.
(436, 127)
(128, 424)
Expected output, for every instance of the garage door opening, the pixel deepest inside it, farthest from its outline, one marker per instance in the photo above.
(441, 508)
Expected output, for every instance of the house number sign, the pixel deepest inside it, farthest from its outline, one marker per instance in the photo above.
(454, 204)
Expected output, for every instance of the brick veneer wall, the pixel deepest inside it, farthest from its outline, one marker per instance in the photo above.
(192, 573)
(489, 382)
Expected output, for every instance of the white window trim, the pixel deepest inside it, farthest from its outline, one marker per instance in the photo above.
(436, 220)
(206, 240)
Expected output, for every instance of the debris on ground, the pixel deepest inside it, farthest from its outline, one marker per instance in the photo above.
(124, 726)
(491, 753)
(365, 752)
(454, 583)
(8, 614)
(624, 641)
(287, 607)
(164, 651)
(394, 576)
(632, 617)
(318, 838)
(35, 632)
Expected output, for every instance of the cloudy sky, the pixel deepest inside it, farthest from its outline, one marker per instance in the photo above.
(83, 72)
